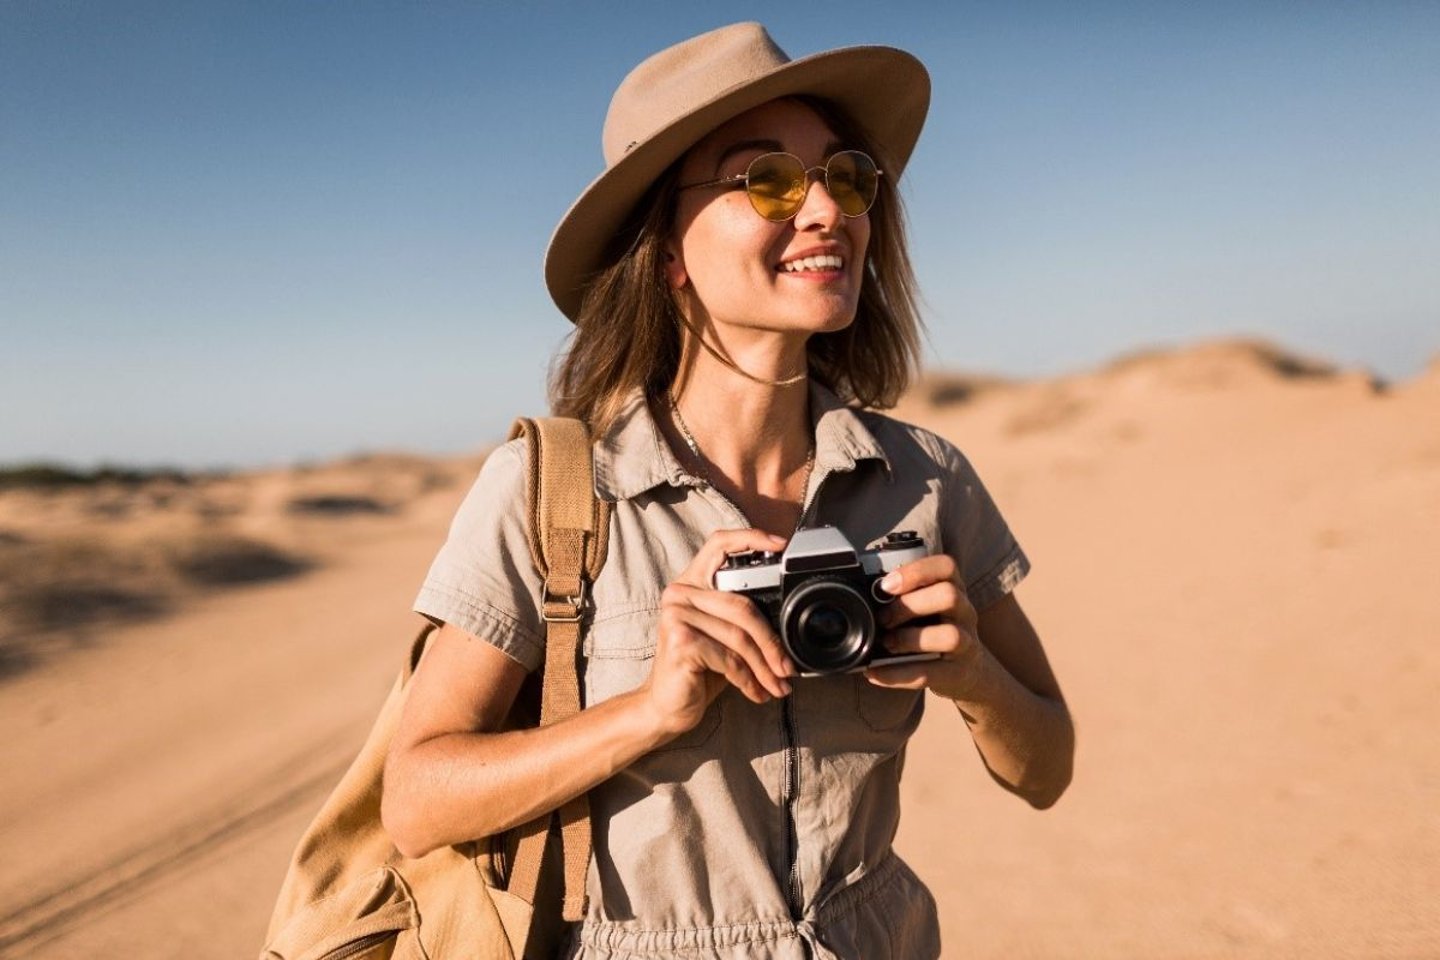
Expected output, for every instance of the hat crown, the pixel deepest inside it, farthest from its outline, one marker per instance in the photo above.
(674, 82)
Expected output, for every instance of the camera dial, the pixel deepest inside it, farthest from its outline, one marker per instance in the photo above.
(901, 540)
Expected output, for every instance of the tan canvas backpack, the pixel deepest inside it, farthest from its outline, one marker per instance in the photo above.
(350, 895)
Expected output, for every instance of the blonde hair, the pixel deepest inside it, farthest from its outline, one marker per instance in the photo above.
(628, 331)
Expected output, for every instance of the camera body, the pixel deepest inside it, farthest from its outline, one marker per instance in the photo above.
(822, 596)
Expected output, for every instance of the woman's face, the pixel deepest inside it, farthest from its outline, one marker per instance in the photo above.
(735, 266)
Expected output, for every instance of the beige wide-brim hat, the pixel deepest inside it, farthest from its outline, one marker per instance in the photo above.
(673, 99)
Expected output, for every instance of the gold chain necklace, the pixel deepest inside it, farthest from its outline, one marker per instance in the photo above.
(701, 462)
(782, 382)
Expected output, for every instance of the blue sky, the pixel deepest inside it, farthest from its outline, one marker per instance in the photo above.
(245, 233)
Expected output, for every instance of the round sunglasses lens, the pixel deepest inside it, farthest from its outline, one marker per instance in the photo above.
(776, 185)
(852, 180)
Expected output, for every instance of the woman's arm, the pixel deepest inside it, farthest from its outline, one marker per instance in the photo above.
(1015, 710)
(451, 777)
(993, 666)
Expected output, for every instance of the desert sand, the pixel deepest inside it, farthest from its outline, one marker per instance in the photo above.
(1237, 578)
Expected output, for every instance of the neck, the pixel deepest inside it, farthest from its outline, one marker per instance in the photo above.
(754, 439)
(747, 434)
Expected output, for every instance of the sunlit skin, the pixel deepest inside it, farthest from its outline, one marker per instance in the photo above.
(726, 258)
(452, 776)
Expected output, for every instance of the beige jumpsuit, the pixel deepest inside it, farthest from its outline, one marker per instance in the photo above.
(765, 831)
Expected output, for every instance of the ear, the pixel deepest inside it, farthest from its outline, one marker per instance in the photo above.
(675, 271)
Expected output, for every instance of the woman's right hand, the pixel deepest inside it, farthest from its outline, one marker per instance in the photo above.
(707, 638)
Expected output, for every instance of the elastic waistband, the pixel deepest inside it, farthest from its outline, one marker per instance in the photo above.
(628, 939)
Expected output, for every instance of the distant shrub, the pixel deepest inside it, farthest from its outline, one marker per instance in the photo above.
(951, 392)
(43, 476)
(335, 505)
(111, 509)
(217, 561)
(68, 604)
(942, 389)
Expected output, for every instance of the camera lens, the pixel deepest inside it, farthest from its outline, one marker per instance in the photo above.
(827, 626)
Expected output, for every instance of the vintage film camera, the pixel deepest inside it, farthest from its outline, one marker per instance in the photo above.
(821, 596)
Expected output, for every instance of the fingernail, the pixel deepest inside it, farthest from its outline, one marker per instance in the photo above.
(785, 689)
(891, 583)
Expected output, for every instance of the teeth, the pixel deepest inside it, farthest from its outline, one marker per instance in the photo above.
(825, 261)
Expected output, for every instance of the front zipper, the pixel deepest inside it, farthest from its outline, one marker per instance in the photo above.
(790, 788)
(791, 798)
(792, 763)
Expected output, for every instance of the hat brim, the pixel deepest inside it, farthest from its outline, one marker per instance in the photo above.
(884, 90)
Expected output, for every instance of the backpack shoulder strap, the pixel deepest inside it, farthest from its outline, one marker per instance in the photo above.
(569, 524)
(568, 530)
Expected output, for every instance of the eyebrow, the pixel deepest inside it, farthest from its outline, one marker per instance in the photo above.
(764, 146)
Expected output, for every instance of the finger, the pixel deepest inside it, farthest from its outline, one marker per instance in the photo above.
(945, 598)
(941, 638)
(936, 598)
(742, 612)
(720, 659)
(901, 676)
(919, 573)
(736, 609)
(738, 641)
(711, 556)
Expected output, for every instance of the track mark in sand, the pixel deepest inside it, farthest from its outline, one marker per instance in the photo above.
(52, 914)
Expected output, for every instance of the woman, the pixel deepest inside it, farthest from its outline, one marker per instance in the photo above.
(728, 302)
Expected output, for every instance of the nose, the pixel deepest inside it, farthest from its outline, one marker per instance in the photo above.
(819, 210)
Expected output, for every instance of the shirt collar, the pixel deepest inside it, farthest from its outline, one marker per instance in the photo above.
(633, 456)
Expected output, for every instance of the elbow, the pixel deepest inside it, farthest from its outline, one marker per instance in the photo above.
(1040, 787)
(398, 815)
(407, 841)
(1045, 794)
(1049, 780)
(420, 804)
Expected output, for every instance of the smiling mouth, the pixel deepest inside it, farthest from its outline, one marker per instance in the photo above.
(821, 263)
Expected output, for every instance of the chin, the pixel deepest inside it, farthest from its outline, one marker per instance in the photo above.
(824, 317)
(835, 321)
(809, 319)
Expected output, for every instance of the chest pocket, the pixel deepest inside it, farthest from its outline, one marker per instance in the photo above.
(884, 710)
(619, 654)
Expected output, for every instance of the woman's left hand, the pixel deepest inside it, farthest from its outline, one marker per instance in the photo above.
(930, 588)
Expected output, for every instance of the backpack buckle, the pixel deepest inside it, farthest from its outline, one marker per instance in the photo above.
(562, 609)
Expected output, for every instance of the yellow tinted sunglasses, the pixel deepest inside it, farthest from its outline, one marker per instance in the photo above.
(777, 183)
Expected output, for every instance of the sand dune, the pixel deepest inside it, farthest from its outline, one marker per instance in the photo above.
(1236, 573)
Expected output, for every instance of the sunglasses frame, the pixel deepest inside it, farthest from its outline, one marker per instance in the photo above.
(743, 179)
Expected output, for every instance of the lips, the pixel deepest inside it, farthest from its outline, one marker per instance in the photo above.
(817, 263)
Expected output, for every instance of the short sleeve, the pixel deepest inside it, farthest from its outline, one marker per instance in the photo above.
(484, 580)
(975, 533)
